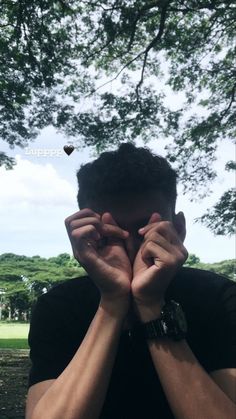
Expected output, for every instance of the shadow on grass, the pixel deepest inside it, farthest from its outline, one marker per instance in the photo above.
(14, 370)
(14, 344)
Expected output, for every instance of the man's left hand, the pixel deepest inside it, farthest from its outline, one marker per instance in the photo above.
(160, 256)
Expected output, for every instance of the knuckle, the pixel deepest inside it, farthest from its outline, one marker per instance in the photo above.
(181, 256)
(109, 229)
(67, 221)
(90, 228)
(74, 234)
(82, 232)
(153, 236)
(142, 248)
(85, 211)
(185, 252)
(83, 222)
(161, 227)
(89, 212)
(173, 261)
(165, 224)
(73, 224)
(149, 245)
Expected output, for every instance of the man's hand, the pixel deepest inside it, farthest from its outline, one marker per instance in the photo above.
(98, 244)
(158, 259)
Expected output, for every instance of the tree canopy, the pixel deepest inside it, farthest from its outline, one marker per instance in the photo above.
(58, 60)
(23, 279)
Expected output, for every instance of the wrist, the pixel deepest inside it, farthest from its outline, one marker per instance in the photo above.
(115, 307)
(149, 312)
(171, 323)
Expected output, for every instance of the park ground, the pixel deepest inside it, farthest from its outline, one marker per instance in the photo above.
(14, 369)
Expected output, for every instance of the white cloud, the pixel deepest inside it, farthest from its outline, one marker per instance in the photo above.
(35, 198)
(31, 185)
(34, 201)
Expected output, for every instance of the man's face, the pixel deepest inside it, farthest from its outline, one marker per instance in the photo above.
(133, 211)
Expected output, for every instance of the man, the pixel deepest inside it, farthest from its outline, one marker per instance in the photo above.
(114, 344)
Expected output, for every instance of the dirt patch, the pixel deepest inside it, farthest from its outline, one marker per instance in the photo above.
(14, 370)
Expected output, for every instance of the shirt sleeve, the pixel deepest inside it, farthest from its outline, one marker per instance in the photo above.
(52, 344)
(224, 331)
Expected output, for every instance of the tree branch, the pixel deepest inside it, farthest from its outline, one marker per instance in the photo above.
(65, 6)
(141, 13)
(6, 24)
(230, 104)
(153, 42)
(145, 52)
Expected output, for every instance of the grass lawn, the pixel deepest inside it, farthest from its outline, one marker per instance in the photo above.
(14, 335)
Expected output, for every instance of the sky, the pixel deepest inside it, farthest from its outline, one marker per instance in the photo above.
(40, 192)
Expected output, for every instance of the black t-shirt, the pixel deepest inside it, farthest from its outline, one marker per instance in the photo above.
(62, 316)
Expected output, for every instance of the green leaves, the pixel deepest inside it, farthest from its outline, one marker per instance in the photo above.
(221, 219)
(23, 279)
(55, 56)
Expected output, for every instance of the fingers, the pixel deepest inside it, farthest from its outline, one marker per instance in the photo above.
(102, 228)
(108, 219)
(163, 251)
(88, 231)
(84, 242)
(162, 242)
(104, 225)
(86, 212)
(110, 227)
(154, 218)
(165, 228)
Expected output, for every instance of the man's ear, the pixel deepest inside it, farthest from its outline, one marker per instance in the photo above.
(180, 225)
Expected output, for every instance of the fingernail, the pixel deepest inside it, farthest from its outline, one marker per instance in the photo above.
(141, 229)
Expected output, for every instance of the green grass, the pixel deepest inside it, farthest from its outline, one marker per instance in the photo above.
(14, 335)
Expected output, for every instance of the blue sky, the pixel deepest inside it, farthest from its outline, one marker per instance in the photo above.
(40, 192)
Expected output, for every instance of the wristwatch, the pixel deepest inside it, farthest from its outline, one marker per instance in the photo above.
(172, 323)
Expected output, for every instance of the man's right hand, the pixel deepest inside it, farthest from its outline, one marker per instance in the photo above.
(98, 244)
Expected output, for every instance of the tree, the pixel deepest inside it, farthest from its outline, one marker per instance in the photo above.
(50, 50)
(225, 267)
(61, 259)
(23, 279)
(192, 260)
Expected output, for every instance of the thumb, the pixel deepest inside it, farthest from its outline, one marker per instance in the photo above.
(154, 218)
(108, 219)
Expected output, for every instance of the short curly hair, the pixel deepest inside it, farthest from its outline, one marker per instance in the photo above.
(128, 169)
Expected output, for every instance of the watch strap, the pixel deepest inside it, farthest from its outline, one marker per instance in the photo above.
(155, 329)
(171, 323)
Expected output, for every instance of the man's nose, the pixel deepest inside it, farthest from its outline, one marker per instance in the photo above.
(133, 243)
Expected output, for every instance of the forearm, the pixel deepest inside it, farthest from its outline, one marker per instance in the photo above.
(190, 391)
(79, 392)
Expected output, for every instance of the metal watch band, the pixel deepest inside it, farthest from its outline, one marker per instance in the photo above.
(172, 323)
(155, 329)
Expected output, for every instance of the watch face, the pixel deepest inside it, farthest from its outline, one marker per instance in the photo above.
(172, 323)
(181, 319)
(175, 318)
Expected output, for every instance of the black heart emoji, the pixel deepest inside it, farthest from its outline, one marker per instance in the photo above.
(68, 149)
